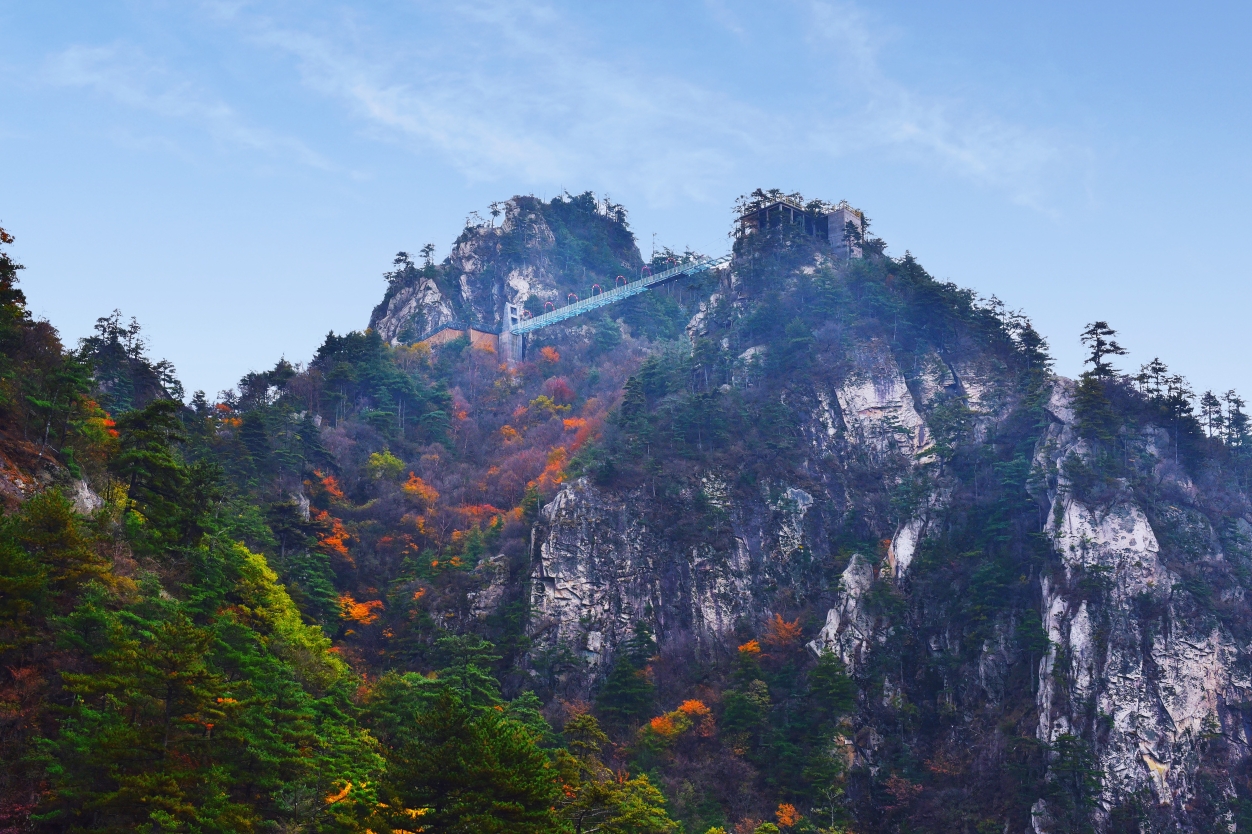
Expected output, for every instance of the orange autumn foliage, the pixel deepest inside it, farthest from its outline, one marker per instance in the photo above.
(554, 472)
(787, 815)
(663, 726)
(336, 541)
(550, 354)
(780, 634)
(750, 647)
(330, 484)
(693, 708)
(365, 613)
(480, 514)
(586, 432)
(691, 715)
(420, 490)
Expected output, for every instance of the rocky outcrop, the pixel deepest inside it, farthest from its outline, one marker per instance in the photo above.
(600, 567)
(490, 265)
(877, 405)
(1130, 668)
(413, 312)
(851, 629)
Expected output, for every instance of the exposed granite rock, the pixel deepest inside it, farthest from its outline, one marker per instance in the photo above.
(850, 630)
(1128, 666)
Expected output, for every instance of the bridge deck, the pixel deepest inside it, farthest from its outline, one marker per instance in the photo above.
(616, 294)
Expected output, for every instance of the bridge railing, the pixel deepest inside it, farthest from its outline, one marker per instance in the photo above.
(607, 297)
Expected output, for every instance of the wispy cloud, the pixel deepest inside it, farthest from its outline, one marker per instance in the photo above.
(519, 90)
(131, 78)
(511, 90)
(956, 134)
(523, 91)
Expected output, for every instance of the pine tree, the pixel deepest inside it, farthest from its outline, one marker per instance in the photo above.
(628, 693)
(453, 769)
(597, 799)
(1236, 419)
(1211, 414)
(467, 660)
(1098, 337)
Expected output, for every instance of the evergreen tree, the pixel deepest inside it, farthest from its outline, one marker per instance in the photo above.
(467, 660)
(1098, 337)
(1211, 414)
(1236, 419)
(597, 799)
(455, 769)
(628, 694)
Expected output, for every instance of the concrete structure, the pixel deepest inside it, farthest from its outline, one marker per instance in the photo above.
(513, 344)
(777, 213)
(845, 238)
(483, 339)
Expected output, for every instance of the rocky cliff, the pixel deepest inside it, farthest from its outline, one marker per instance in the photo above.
(537, 253)
(1037, 586)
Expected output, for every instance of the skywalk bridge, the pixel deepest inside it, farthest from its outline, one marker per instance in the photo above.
(519, 323)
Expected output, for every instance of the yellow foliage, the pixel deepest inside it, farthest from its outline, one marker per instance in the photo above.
(543, 404)
(304, 646)
(384, 465)
(341, 795)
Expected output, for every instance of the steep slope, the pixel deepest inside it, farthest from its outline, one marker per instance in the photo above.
(811, 540)
(860, 450)
(539, 253)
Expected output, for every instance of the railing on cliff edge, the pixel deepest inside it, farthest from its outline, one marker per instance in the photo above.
(603, 299)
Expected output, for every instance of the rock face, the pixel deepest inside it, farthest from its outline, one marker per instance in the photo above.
(1130, 664)
(600, 568)
(850, 629)
(912, 489)
(520, 261)
(413, 312)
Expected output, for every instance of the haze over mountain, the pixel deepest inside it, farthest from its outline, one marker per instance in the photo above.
(808, 542)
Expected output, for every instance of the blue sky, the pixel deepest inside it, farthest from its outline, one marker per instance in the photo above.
(238, 175)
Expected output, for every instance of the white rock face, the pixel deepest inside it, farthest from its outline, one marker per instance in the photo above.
(599, 569)
(85, 499)
(904, 546)
(850, 630)
(1156, 683)
(598, 572)
(878, 407)
(480, 295)
(425, 300)
(793, 506)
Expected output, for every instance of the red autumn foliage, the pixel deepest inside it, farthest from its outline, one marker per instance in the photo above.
(558, 390)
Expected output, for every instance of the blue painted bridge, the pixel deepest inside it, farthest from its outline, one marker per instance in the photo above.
(528, 325)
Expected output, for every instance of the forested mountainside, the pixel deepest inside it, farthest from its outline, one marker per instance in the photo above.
(808, 544)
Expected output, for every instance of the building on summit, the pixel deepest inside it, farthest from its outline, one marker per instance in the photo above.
(841, 225)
